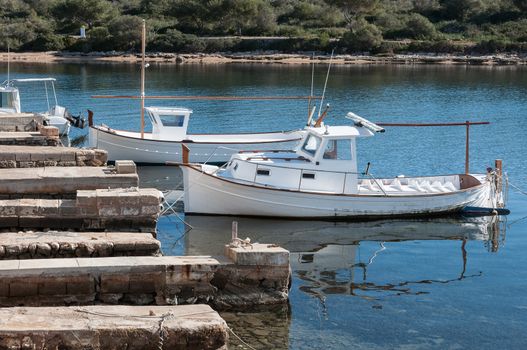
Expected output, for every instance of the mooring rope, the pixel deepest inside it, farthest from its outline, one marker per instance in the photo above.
(240, 339)
(518, 189)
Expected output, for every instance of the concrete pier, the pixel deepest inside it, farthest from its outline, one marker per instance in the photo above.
(18, 182)
(15, 122)
(54, 244)
(113, 327)
(114, 209)
(31, 157)
(261, 277)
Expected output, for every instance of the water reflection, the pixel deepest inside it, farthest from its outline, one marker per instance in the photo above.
(336, 258)
(364, 262)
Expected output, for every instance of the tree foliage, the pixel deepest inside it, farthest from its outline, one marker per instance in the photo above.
(191, 25)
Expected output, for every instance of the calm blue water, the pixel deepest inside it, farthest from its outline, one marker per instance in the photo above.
(438, 284)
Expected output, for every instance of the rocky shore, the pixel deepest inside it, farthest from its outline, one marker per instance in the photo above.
(261, 57)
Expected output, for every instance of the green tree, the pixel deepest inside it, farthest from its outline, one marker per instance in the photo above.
(460, 9)
(75, 13)
(364, 37)
(520, 4)
(125, 32)
(419, 27)
(354, 9)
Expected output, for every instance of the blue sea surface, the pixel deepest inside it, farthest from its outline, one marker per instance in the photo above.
(414, 284)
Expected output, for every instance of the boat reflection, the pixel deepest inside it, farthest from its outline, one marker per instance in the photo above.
(366, 259)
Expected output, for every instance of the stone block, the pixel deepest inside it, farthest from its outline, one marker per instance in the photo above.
(68, 207)
(80, 285)
(23, 287)
(86, 198)
(113, 284)
(145, 282)
(150, 209)
(28, 207)
(52, 286)
(258, 254)
(125, 167)
(49, 131)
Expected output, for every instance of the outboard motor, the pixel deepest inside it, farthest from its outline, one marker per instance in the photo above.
(76, 121)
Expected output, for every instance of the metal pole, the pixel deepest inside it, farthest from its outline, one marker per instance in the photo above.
(143, 49)
(467, 148)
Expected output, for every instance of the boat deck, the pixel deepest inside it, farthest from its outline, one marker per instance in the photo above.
(215, 138)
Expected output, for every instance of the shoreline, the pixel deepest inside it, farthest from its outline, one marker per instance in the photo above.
(261, 58)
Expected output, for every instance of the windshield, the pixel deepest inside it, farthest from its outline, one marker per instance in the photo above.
(7, 100)
(311, 144)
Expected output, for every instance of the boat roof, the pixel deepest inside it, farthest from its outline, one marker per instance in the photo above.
(344, 131)
(30, 80)
(170, 110)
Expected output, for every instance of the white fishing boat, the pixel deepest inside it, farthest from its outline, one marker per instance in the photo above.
(170, 130)
(55, 115)
(320, 179)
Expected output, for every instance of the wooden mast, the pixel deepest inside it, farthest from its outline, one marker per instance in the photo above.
(143, 49)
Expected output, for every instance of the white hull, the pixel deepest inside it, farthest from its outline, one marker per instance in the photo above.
(217, 149)
(209, 194)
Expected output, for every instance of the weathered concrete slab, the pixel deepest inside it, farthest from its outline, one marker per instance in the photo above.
(113, 327)
(131, 209)
(26, 138)
(62, 180)
(258, 254)
(31, 157)
(144, 280)
(10, 122)
(54, 244)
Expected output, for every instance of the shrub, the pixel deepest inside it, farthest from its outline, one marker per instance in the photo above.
(364, 37)
(46, 41)
(419, 27)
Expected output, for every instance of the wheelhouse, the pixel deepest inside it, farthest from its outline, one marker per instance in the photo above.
(169, 123)
(9, 99)
(324, 160)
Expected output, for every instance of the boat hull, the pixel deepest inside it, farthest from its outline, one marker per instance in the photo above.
(148, 151)
(209, 194)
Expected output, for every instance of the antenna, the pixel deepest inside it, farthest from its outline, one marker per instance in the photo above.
(8, 59)
(143, 49)
(325, 84)
(309, 113)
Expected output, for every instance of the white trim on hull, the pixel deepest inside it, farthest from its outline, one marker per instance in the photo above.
(148, 151)
(208, 194)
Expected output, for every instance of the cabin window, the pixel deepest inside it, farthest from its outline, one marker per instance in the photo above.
(264, 172)
(172, 120)
(7, 100)
(338, 150)
(308, 176)
(311, 144)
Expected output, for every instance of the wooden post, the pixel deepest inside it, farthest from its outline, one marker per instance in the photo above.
(90, 118)
(143, 49)
(467, 160)
(498, 165)
(499, 175)
(185, 153)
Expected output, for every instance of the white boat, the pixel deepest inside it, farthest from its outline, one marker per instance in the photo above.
(169, 131)
(319, 179)
(55, 115)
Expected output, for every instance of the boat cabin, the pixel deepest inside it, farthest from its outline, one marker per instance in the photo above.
(325, 160)
(9, 99)
(169, 123)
